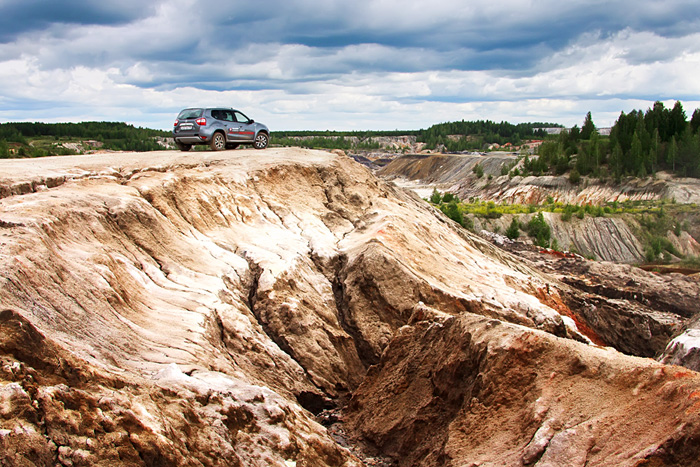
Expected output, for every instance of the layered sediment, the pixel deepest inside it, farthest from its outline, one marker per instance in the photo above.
(205, 308)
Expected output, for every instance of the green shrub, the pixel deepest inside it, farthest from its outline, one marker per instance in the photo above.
(513, 230)
(677, 229)
(660, 247)
(574, 177)
(436, 197)
(452, 211)
(538, 229)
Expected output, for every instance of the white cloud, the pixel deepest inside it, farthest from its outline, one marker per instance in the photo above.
(369, 64)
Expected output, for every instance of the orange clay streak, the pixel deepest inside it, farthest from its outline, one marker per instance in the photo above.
(553, 301)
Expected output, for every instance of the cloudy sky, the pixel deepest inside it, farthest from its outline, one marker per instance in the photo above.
(347, 65)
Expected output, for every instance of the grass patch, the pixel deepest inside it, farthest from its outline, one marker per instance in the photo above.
(656, 218)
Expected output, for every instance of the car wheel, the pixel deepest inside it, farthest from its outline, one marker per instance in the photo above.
(183, 146)
(218, 142)
(261, 141)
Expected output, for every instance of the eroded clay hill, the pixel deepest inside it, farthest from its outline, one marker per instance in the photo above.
(202, 309)
(617, 238)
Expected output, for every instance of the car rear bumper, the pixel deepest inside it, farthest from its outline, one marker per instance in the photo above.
(190, 139)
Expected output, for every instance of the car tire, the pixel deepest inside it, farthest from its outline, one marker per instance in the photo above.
(183, 146)
(218, 142)
(261, 140)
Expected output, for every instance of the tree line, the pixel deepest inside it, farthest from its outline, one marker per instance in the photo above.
(476, 134)
(640, 144)
(47, 138)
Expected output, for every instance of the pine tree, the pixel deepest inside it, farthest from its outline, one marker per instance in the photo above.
(672, 153)
(616, 160)
(695, 121)
(678, 120)
(588, 128)
(595, 150)
(635, 155)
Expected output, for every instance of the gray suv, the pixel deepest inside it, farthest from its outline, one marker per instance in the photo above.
(220, 128)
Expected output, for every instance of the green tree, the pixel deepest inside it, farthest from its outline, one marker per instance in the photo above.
(672, 153)
(452, 211)
(436, 197)
(695, 121)
(635, 160)
(677, 120)
(654, 151)
(513, 230)
(574, 177)
(588, 127)
(538, 229)
(595, 150)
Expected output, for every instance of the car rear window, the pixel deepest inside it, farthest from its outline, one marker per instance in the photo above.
(189, 113)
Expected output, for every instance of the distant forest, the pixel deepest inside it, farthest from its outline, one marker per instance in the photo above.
(345, 140)
(474, 136)
(26, 139)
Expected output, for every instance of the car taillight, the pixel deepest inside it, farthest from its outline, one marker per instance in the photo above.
(201, 121)
(176, 122)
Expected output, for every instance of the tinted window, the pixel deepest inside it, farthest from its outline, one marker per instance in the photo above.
(189, 113)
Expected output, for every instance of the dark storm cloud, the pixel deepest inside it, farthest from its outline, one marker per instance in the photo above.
(510, 36)
(413, 36)
(26, 16)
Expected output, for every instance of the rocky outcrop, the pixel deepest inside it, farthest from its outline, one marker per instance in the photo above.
(455, 173)
(468, 390)
(60, 410)
(684, 349)
(202, 308)
(639, 311)
(442, 169)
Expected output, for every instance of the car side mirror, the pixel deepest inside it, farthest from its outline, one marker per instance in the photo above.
(251, 121)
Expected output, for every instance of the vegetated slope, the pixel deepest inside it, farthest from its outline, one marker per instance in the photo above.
(621, 238)
(199, 309)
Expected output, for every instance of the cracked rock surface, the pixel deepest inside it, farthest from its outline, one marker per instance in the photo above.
(203, 308)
